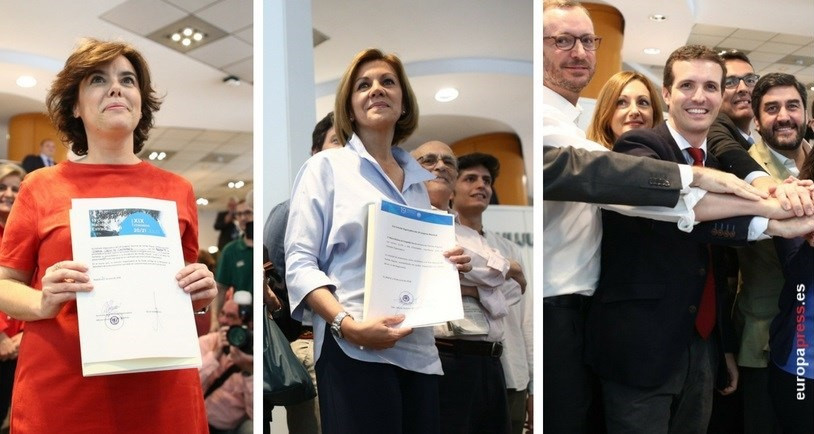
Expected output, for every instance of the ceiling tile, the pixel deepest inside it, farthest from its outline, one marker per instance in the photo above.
(792, 39)
(753, 34)
(181, 134)
(712, 30)
(784, 68)
(191, 5)
(143, 16)
(246, 34)
(775, 48)
(740, 44)
(709, 41)
(758, 66)
(216, 136)
(224, 51)
(807, 51)
(229, 15)
(762, 56)
(243, 69)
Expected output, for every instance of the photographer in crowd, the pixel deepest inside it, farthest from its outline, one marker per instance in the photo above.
(226, 371)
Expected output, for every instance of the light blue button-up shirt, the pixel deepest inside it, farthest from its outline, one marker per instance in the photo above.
(326, 236)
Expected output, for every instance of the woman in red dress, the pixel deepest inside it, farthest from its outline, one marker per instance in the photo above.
(102, 102)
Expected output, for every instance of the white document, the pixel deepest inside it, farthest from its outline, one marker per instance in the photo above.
(136, 318)
(406, 271)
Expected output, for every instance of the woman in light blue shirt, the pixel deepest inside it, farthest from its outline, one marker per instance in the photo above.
(372, 377)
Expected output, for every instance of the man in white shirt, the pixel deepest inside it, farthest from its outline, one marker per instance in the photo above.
(572, 231)
(472, 391)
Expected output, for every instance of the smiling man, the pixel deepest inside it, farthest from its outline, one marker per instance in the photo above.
(657, 327)
(779, 102)
(730, 134)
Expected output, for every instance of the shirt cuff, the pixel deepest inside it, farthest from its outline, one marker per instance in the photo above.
(757, 229)
(686, 177)
(754, 175)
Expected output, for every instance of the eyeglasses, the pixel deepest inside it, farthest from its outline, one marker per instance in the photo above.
(246, 213)
(14, 189)
(429, 160)
(566, 42)
(750, 80)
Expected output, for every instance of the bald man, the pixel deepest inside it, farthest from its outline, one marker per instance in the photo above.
(439, 159)
(490, 294)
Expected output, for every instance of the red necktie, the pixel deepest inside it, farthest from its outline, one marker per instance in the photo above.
(705, 321)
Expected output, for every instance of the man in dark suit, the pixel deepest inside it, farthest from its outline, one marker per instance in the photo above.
(580, 175)
(44, 159)
(656, 327)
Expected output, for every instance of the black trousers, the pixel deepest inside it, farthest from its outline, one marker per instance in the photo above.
(7, 368)
(473, 395)
(796, 415)
(358, 397)
(567, 380)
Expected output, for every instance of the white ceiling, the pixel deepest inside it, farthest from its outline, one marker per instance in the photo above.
(200, 114)
(482, 48)
(766, 31)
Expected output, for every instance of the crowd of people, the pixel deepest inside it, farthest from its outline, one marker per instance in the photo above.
(466, 376)
(651, 319)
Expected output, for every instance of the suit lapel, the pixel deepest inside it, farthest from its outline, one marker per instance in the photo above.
(664, 133)
(760, 152)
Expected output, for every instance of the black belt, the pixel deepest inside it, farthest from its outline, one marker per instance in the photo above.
(568, 301)
(472, 348)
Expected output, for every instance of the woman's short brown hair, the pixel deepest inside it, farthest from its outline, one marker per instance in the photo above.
(343, 125)
(600, 128)
(64, 93)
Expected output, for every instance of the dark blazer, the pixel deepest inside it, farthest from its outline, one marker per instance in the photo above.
(642, 315)
(32, 163)
(578, 175)
(727, 144)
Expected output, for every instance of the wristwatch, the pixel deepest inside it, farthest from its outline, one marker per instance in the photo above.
(335, 330)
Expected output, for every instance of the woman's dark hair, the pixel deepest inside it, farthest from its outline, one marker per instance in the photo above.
(64, 93)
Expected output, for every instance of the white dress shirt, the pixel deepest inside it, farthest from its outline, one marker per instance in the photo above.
(325, 242)
(572, 231)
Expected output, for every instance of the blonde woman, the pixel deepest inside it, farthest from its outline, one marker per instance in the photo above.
(626, 102)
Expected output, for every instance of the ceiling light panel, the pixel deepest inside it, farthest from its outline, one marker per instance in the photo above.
(192, 23)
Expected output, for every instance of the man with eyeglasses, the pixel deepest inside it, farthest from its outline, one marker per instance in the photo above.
(730, 135)
(472, 392)
(573, 231)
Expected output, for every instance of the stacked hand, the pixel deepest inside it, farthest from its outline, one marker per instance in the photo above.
(797, 197)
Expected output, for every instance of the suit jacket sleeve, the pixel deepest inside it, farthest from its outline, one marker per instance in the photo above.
(571, 174)
(730, 152)
(651, 144)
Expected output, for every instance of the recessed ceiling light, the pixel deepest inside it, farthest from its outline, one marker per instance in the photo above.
(232, 80)
(202, 201)
(212, 250)
(652, 51)
(446, 94)
(658, 17)
(26, 81)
